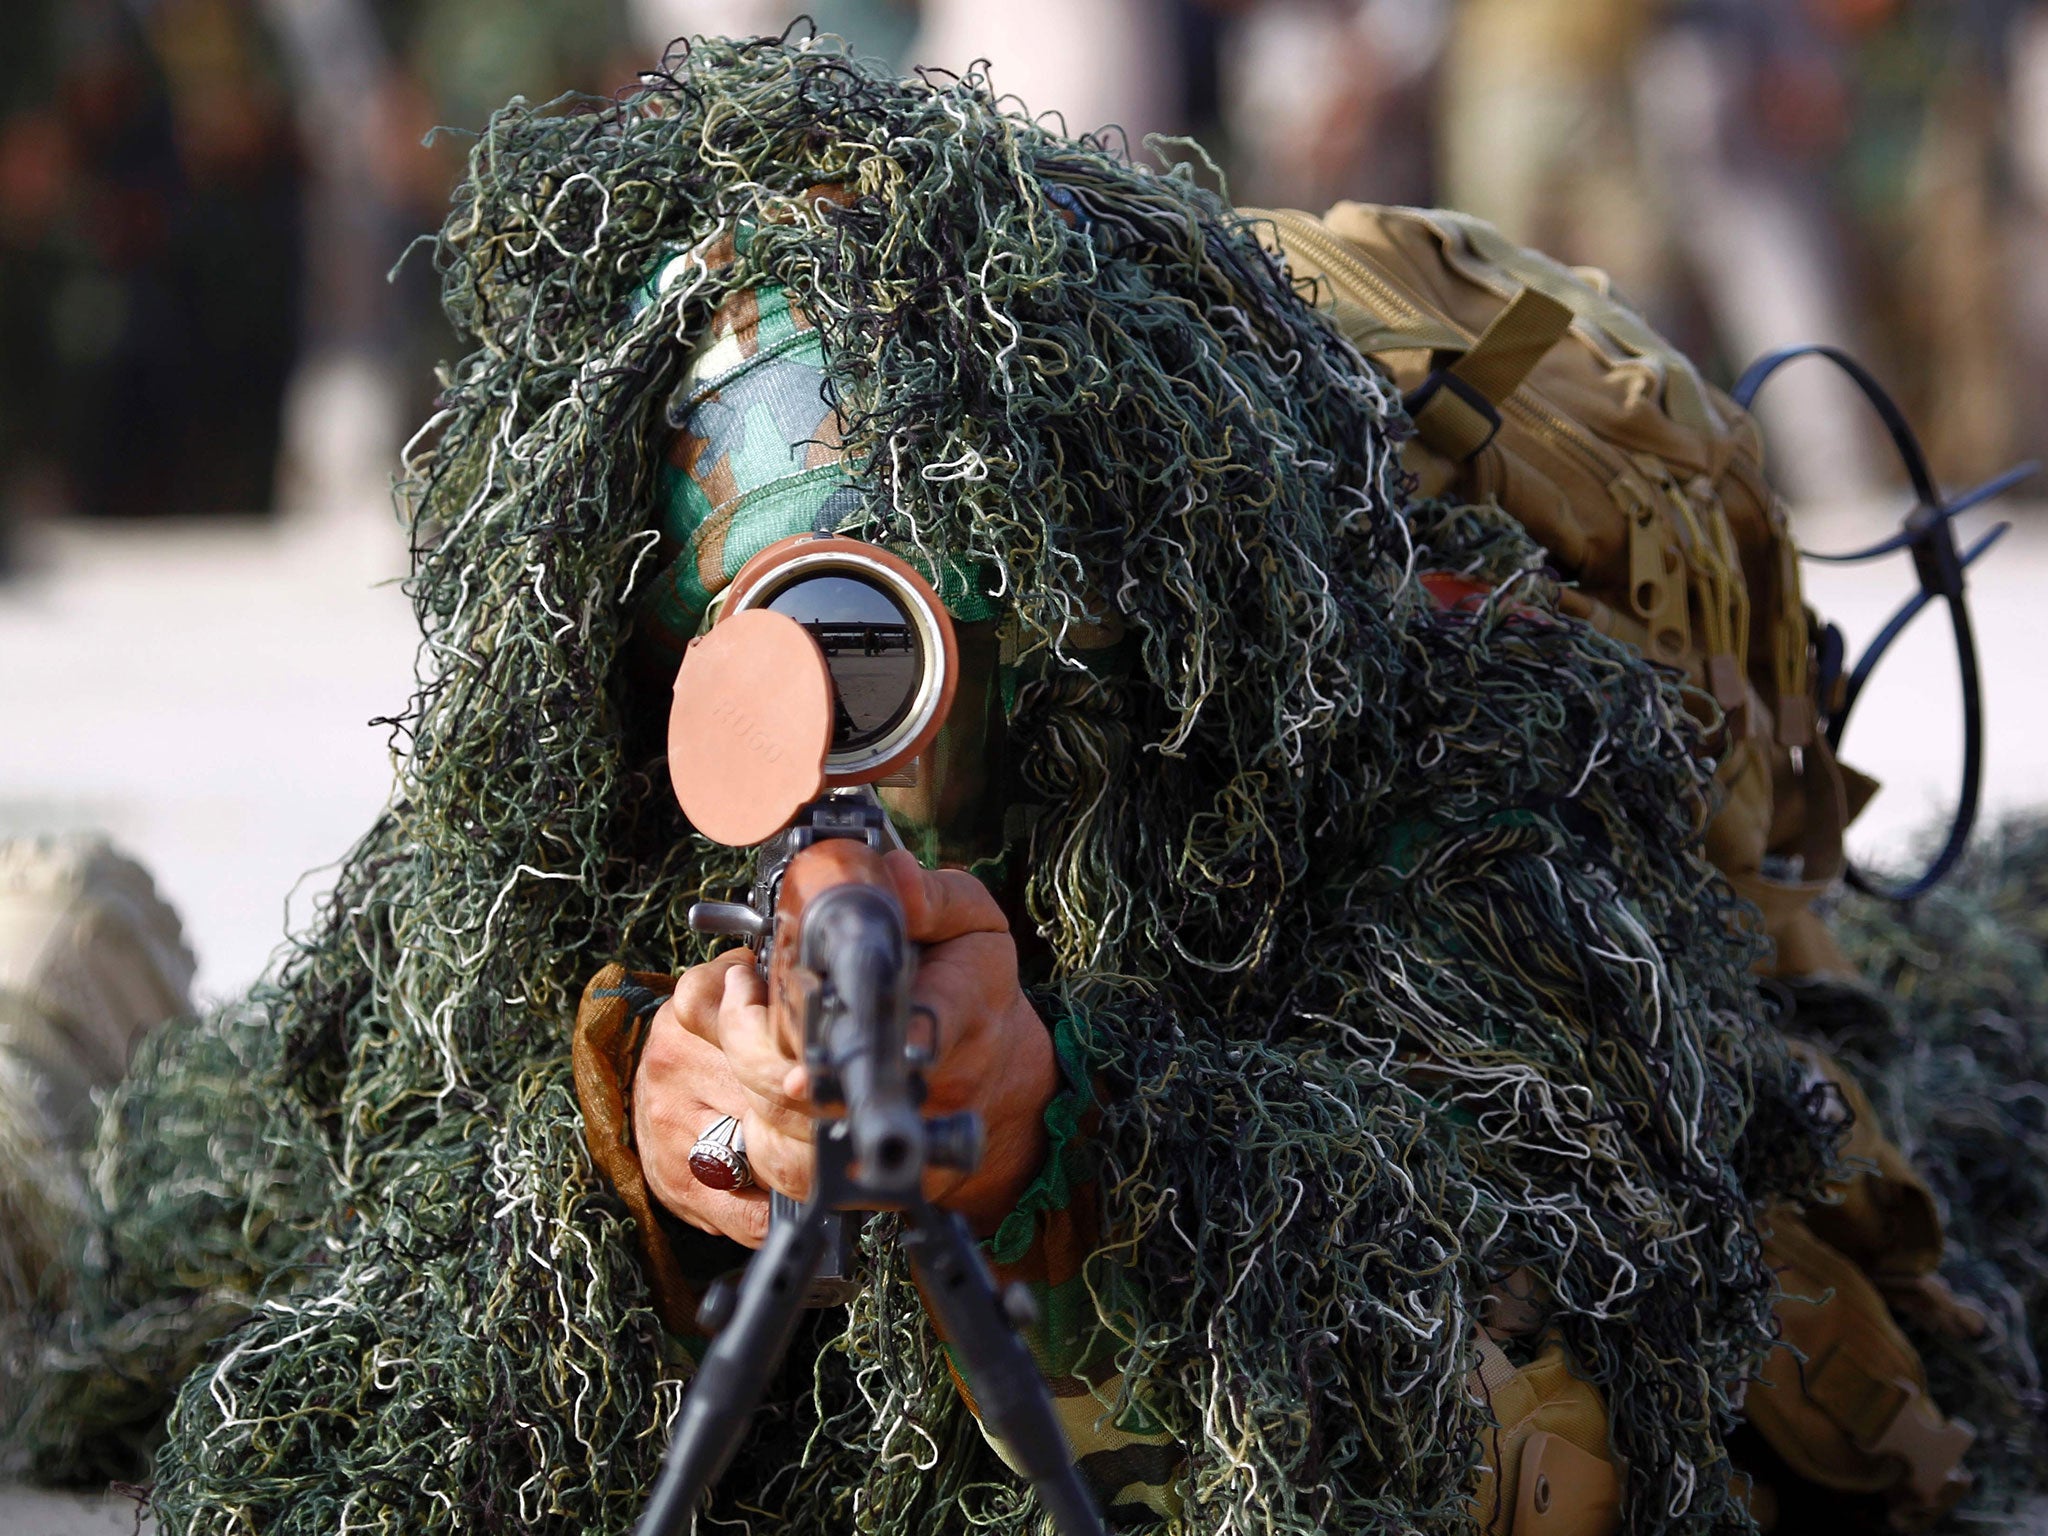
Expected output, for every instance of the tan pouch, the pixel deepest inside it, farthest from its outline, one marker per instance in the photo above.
(1548, 1469)
(1846, 1404)
(1882, 1217)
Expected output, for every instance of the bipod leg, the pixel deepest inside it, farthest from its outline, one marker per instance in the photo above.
(728, 1385)
(1012, 1397)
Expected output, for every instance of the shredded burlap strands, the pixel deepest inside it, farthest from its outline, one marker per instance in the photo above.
(1953, 1051)
(1399, 961)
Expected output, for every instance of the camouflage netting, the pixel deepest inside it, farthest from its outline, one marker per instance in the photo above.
(1955, 1058)
(1389, 925)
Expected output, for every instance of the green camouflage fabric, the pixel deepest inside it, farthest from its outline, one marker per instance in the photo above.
(758, 455)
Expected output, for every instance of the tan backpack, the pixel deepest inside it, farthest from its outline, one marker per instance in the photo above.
(1531, 386)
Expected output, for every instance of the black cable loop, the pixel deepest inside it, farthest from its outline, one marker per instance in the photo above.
(1929, 533)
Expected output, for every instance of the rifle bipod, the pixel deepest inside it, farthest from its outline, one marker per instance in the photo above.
(756, 1319)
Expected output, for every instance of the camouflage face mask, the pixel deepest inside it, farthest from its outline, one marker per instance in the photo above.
(759, 455)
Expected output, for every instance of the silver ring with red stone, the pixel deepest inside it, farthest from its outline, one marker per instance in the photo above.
(719, 1157)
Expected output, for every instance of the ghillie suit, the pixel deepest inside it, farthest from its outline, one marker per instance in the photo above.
(1383, 926)
(1952, 1046)
(90, 961)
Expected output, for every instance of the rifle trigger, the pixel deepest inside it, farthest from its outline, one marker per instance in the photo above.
(733, 918)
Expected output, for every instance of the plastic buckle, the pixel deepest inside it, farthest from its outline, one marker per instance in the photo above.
(1417, 401)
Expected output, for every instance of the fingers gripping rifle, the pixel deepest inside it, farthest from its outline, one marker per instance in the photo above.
(832, 944)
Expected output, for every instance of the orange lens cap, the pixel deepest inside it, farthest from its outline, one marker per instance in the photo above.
(749, 727)
(778, 574)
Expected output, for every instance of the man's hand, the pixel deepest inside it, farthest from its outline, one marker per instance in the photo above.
(713, 1051)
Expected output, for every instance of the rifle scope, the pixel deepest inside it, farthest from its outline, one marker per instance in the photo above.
(830, 663)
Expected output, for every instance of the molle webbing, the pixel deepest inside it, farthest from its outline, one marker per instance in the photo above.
(1609, 447)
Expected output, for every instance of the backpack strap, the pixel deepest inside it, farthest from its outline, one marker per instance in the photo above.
(1456, 409)
(1683, 394)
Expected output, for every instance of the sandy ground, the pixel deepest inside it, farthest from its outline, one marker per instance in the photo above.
(42, 1512)
(203, 693)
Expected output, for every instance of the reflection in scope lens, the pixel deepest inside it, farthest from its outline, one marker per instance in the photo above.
(871, 647)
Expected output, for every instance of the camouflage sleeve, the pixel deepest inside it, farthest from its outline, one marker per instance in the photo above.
(1130, 1463)
(611, 1026)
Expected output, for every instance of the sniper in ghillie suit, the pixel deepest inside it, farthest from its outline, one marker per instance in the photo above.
(1068, 856)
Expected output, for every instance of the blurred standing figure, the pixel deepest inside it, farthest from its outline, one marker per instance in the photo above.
(149, 192)
(1536, 134)
(397, 94)
(1674, 143)
(1097, 63)
(2029, 106)
(1324, 100)
(1743, 105)
(1950, 211)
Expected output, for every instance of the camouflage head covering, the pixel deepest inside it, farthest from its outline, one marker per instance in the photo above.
(758, 454)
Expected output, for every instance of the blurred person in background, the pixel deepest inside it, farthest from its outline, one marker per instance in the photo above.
(1535, 131)
(1760, 173)
(1934, 172)
(1328, 101)
(1682, 148)
(200, 201)
(2027, 58)
(150, 247)
(1743, 107)
(444, 66)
